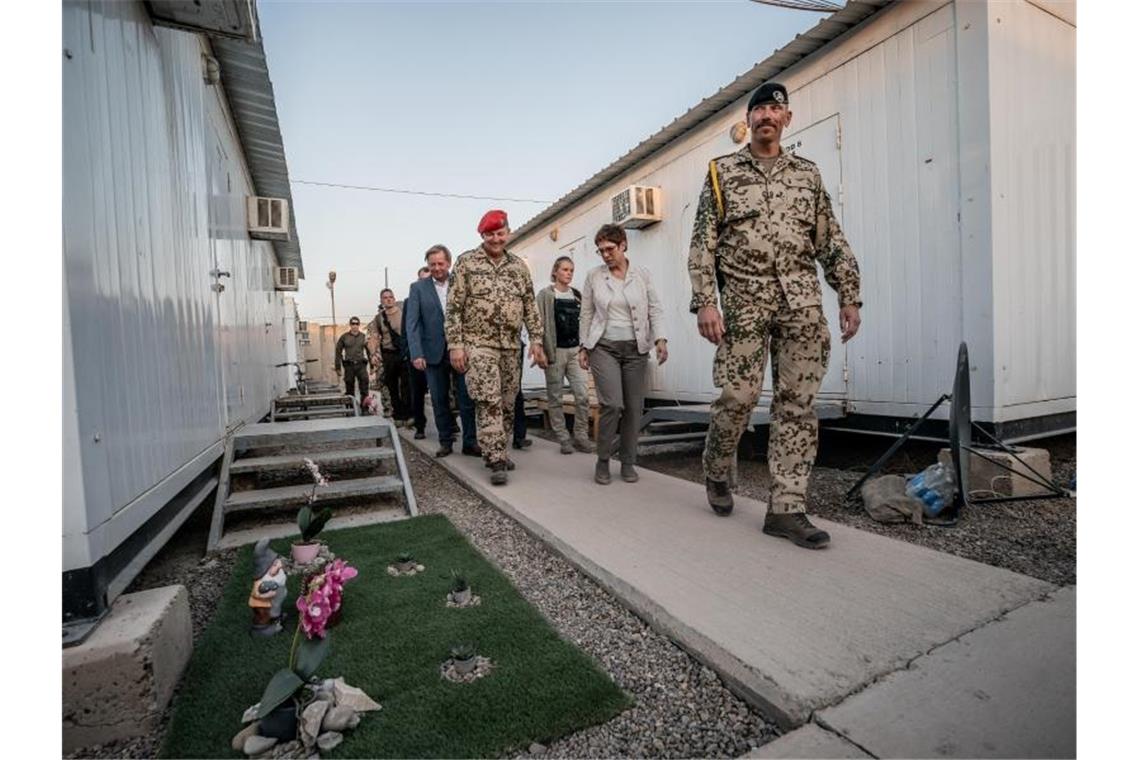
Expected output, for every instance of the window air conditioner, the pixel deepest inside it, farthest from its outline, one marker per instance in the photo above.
(285, 278)
(637, 206)
(268, 218)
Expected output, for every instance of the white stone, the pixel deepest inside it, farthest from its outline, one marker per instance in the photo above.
(311, 721)
(239, 739)
(338, 718)
(255, 745)
(251, 713)
(350, 696)
(329, 740)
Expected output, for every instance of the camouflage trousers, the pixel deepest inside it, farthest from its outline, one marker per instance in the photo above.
(377, 378)
(493, 377)
(800, 345)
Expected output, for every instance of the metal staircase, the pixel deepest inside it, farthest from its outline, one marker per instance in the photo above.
(264, 466)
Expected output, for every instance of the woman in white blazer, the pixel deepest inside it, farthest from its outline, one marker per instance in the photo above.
(621, 320)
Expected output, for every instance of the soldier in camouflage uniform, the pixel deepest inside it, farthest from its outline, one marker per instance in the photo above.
(491, 296)
(763, 221)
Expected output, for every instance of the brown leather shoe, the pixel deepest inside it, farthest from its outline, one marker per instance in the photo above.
(797, 528)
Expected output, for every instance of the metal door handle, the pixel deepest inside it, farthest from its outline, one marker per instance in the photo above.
(219, 273)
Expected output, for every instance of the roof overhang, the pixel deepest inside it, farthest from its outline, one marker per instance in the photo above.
(805, 44)
(227, 18)
(235, 38)
(249, 92)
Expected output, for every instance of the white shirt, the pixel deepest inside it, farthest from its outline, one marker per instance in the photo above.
(441, 291)
(619, 318)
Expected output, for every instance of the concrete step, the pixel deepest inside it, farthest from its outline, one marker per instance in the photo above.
(297, 461)
(296, 496)
(314, 399)
(669, 425)
(649, 440)
(306, 432)
(316, 413)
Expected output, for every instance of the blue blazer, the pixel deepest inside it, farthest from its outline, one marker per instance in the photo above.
(423, 322)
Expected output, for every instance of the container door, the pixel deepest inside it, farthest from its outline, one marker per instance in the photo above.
(224, 287)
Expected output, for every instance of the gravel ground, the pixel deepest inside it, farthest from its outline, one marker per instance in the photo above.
(1037, 538)
(682, 709)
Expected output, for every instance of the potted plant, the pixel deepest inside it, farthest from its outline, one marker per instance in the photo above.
(306, 550)
(463, 658)
(460, 589)
(321, 596)
(405, 562)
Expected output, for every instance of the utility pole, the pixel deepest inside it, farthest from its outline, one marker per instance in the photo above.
(385, 277)
(332, 296)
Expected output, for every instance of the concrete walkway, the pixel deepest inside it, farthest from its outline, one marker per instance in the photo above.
(793, 631)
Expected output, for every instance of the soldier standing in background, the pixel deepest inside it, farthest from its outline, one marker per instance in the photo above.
(386, 340)
(354, 346)
(763, 221)
(491, 296)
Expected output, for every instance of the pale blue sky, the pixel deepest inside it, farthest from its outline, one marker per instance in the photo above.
(521, 100)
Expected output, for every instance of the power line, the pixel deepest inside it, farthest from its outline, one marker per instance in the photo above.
(414, 192)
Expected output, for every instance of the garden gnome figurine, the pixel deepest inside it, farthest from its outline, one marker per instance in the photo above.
(267, 597)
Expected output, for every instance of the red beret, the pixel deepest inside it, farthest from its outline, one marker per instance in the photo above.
(492, 220)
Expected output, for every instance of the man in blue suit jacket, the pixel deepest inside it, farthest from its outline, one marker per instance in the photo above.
(427, 345)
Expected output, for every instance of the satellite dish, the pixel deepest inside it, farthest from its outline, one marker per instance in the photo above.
(960, 427)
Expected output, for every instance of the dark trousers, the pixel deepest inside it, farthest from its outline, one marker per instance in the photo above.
(519, 433)
(520, 419)
(439, 378)
(619, 377)
(418, 386)
(356, 372)
(396, 380)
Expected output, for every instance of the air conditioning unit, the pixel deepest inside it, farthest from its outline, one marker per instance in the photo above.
(637, 206)
(268, 218)
(285, 278)
(302, 326)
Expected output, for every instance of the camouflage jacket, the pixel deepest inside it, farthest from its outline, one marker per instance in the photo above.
(774, 229)
(488, 302)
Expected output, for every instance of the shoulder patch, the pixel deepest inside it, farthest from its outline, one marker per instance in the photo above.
(801, 159)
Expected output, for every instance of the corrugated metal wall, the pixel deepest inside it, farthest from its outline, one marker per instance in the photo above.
(138, 221)
(1033, 131)
(893, 88)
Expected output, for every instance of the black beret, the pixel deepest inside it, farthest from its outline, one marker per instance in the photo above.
(769, 92)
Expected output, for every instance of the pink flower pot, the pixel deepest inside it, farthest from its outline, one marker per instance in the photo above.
(303, 554)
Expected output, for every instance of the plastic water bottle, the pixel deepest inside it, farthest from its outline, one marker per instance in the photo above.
(934, 487)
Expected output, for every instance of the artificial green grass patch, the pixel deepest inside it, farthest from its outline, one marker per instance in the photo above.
(395, 633)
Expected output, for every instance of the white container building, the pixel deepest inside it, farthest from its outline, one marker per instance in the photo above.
(945, 133)
(172, 320)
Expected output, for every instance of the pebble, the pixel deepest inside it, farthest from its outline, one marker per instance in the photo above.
(329, 740)
(668, 686)
(537, 749)
(239, 738)
(255, 745)
(338, 718)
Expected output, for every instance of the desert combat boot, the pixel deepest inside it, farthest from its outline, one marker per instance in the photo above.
(720, 496)
(797, 528)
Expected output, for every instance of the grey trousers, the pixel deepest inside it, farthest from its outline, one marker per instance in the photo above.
(564, 364)
(619, 376)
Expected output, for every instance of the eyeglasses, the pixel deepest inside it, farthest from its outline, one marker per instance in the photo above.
(608, 249)
(354, 324)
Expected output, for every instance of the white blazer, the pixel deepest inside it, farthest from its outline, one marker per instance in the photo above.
(645, 305)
